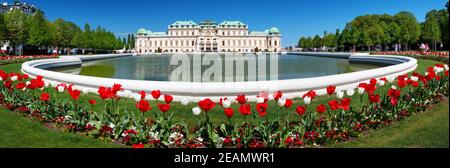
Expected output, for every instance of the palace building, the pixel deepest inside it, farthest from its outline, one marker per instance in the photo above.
(208, 36)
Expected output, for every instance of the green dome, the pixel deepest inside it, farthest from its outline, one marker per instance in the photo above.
(274, 30)
(142, 31)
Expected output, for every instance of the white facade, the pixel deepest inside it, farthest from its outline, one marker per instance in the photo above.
(228, 36)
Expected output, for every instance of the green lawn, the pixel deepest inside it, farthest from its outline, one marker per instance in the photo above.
(15, 127)
(18, 131)
(426, 130)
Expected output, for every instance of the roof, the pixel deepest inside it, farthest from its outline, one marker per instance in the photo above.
(274, 30)
(184, 23)
(145, 32)
(234, 23)
(257, 33)
(208, 22)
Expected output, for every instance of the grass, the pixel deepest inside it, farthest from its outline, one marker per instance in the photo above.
(19, 131)
(9, 125)
(425, 130)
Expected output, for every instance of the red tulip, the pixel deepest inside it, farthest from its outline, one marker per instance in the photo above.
(156, 94)
(277, 95)
(105, 93)
(20, 85)
(300, 110)
(245, 109)
(261, 108)
(206, 104)
(288, 103)
(168, 98)
(142, 93)
(334, 105)
(92, 101)
(143, 106)
(395, 93)
(373, 81)
(241, 99)
(331, 89)
(310, 94)
(394, 101)
(115, 88)
(374, 98)
(164, 107)
(321, 109)
(345, 103)
(75, 94)
(44, 97)
(228, 112)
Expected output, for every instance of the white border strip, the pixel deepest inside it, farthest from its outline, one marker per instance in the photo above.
(195, 90)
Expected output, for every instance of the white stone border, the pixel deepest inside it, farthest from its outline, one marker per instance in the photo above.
(195, 90)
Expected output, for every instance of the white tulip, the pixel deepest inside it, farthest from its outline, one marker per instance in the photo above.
(184, 101)
(226, 103)
(60, 89)
(196, 110)
(446, 67)
(414, 78)
(339, 94)
(270, 97)
(438, 69)
(67, 117)
(46, 84)
(307, 100)
(260, 100)
(361, 90)
(85, 90)
(14, 78)
(137, 97)
(281, 102)
(381, 82)
(127, 93)
(393, 87)
(391, 79)
(28, 83)
(112, 125)
(350, 92)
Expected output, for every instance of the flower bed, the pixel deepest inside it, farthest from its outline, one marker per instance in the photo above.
(344, 116)
(438, 56)
(17, 59)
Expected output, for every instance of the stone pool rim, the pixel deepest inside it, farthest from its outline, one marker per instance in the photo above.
(195, 91)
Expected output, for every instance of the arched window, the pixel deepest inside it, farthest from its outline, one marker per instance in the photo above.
(276, 43)
(223, 43)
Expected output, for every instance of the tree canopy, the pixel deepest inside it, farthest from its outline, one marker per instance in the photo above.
(384, 31)
(35, 30)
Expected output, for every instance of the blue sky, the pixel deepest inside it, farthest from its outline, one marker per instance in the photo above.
(294, 18)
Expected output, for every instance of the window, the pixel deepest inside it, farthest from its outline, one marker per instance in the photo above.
(193, 33)
(223, 43)
(276, 43)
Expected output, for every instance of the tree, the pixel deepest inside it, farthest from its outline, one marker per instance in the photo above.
(39, 31)
(409, 27)
(65, 33)
(2, 29)
(431, 31)
(16, 25)
(317, 41)
(133, 41)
